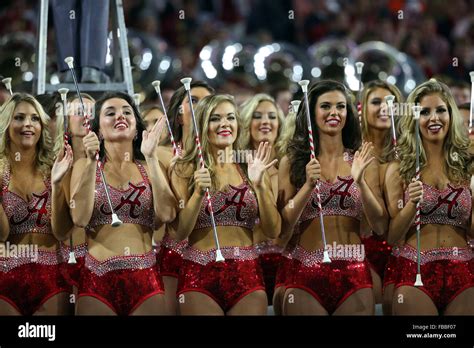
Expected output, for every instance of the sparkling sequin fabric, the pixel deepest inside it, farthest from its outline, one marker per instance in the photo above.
(445, 272)
(283, 269)
(133, 206)
(269, 256)
(389, 274)
(226, 282)
(340, 198)
(27, 217)
(377, 251)
(72, 271)
(451, 206)
(27, 282)
(329, 283)
(235, 207)
(121, 282)
(170, 255)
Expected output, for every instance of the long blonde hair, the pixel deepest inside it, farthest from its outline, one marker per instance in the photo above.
(455, 145)
(186, 166)
(287, 132)
(388, 151)
(246, 112)
(44, 147)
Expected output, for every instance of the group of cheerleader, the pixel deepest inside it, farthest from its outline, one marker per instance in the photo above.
(274, 211)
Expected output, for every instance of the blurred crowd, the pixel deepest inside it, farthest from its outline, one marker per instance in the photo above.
(438, 34)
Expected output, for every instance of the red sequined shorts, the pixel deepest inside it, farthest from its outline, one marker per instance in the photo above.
(329, 283)
(121, 282)
(170, 256)
(28, 281)
(72, 271)
(269, 256)
(377, 251)
(445, 272)
(225, 282)
(389, 274)
(284, 269)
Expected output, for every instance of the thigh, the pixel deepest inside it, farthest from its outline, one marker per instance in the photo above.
(198, 303)
(154, 305)
(88, 305)
(7, 309)
(387, 299)
(462, 304)
(300, 302)
(376, 285)
(254, 303)
(170, 285)
(56, 305)
(409, 300)
(278, 295)
(360, 302)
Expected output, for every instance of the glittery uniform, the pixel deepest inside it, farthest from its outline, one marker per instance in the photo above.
(30, 277)
(445, 272)
(269, 257)
(122, 282)
(378, 252)
(240, 274)
(332, 283)
(170, 255)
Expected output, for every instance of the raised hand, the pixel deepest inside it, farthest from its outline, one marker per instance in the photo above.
(361, 161)
(258, 165)
(61, 165)
(150, 139)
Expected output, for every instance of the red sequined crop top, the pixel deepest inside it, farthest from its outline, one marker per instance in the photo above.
(450, 206)
(236, 207)
(133, 205)
(27, 217)
(341, 198)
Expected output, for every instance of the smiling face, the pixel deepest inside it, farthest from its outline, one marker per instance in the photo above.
(223, 126)
(76, 119)
(117, 121)
(25, 127)
(377, 111)
(331, 112)
(264, 124)
(434, 118)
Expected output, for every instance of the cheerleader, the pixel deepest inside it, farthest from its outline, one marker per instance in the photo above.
(31, 282)
(262, 122)
(74, 240)
(170, 250)
(120, 275)
(240, 196)
(377, 129)
(446, 208)
(343, 286)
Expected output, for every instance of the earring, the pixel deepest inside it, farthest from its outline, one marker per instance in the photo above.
(136, 136)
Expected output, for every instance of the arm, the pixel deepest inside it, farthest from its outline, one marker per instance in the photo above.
(371, 194)
(83, 183)
(270, 219)
(61, 223)
(164, 201)
(291, 203)
(4, 225)
(187, 217)
(401, 216)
